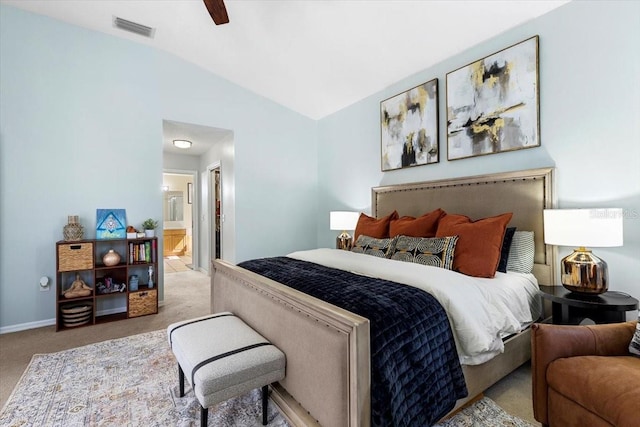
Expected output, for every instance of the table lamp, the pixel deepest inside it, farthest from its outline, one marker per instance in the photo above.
(343, 221)
(582, 271)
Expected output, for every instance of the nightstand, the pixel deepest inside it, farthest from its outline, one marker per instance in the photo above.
(570, 308)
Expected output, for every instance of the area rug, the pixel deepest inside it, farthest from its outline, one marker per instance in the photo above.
(483, 413)
(134, 381)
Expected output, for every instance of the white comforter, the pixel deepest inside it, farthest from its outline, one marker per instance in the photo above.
(481, 311)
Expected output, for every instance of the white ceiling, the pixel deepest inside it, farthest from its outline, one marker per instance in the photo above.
(312, 56)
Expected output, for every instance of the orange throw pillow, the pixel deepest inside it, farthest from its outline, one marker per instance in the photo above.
(377, 228)
(423, 226)
(479, 243)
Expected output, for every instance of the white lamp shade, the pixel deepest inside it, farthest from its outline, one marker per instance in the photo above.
(341, 220)
(583, 227)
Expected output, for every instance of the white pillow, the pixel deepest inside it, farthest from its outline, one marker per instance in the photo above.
(521, 253)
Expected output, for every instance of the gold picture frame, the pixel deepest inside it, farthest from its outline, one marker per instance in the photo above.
(493, 104)
(409, 128)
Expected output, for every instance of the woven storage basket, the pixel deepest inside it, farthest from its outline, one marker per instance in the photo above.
(143, 302)
(76, 315)
(75, 256)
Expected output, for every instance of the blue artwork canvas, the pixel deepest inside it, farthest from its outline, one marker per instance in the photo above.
(111, 224)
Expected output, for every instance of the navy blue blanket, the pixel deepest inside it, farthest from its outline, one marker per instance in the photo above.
(416, 377)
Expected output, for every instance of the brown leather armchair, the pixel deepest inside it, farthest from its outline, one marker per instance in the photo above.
(585, 375)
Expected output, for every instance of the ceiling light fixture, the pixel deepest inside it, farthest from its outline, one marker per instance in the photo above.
(182, 143)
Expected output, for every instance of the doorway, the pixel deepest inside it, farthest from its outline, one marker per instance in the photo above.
(216, 211)
(178, 221)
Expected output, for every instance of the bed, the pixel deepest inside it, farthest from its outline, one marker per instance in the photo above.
(328, 348)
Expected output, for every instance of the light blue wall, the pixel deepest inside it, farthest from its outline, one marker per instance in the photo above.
(81, 128)
(589, 116)
(221, 154)
(275, 159)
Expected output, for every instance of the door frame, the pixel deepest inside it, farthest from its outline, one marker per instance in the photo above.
(212, 212)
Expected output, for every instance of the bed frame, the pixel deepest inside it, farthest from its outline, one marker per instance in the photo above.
(327, 348)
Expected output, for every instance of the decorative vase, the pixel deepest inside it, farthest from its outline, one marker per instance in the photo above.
(111, 258)
(73, 230)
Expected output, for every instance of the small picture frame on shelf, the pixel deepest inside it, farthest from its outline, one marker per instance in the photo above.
(111, 224)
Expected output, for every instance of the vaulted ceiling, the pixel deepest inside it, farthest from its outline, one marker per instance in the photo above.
(312, 56)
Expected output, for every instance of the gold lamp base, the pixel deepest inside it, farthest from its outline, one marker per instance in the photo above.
(344, 241)
(584, 273)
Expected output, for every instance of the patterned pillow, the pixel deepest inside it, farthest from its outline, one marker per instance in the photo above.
(521, 252)
(371, 246)
(634, 345)
(434, 251)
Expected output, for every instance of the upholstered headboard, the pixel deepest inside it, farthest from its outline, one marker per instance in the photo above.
(525, 193)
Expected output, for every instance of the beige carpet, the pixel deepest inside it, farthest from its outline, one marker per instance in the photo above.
(186, 296)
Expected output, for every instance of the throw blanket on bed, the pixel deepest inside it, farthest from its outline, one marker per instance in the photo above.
(416, 377)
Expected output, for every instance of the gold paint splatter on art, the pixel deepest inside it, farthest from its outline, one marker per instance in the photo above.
(492, 130)
(420, 97)
(403, 112)
(477, 73)
(492, 81)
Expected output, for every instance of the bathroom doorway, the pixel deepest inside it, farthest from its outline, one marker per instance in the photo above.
(178, 220)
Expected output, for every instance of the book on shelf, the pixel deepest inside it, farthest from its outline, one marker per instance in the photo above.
(142, 252)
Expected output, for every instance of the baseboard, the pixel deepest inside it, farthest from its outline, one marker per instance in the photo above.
(28, 325)
(49, 322)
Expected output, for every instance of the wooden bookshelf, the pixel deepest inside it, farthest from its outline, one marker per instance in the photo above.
(110, 285)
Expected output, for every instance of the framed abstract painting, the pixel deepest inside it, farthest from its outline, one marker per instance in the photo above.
(409, 127)
(493, 104)
(111, 224)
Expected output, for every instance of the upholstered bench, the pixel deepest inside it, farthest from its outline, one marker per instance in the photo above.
(223, 357)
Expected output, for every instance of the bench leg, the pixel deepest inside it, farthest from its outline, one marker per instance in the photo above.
(181, 380)
(265, 403)
(204, 416)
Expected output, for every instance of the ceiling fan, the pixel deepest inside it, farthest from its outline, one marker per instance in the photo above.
(217, 11)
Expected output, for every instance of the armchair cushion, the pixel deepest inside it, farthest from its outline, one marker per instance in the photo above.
(549, 343)
(604, 386)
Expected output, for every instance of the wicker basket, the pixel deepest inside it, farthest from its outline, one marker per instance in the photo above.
(76, 314)
(143, 302)
(75, 256)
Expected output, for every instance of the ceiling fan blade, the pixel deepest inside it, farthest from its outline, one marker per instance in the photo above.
(217, 11)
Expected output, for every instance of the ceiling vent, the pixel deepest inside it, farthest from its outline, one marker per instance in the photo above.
(133, 27)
